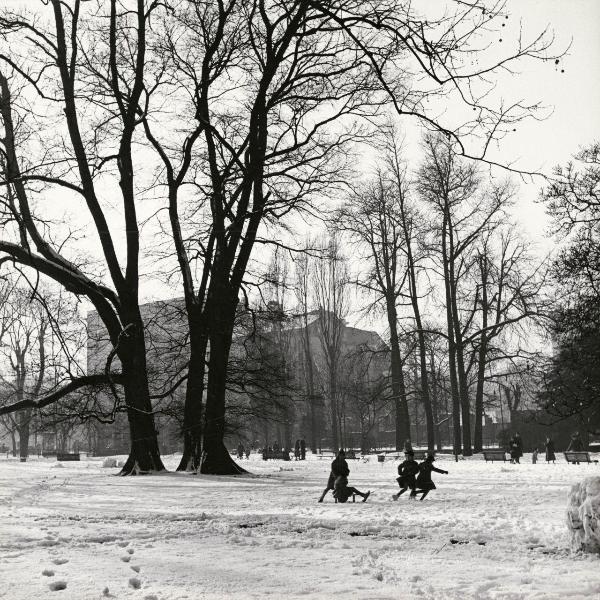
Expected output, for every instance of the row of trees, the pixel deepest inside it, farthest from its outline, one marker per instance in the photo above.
(226, 117)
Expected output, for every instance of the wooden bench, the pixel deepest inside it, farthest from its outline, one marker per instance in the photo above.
(492, 455)
(578, 457)
(64, 456)
(276, 455)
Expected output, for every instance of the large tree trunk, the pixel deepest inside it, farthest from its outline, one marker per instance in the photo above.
(192, 416)
(24, 419)
(216, 458)
(144, 456)
(398, 384)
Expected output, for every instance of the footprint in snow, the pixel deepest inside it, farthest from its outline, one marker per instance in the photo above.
(126, 558)
(48, 572)
(130, 550)
(60, 561)
(122, 544)
(56, 586)
(135, 583)
(135, 568)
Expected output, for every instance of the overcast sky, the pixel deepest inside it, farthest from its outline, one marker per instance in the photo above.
(572, 96)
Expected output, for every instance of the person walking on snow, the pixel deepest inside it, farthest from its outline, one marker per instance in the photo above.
(424, 482)
(339, 468)
(302, 448)
(550, 456)
(407, 473)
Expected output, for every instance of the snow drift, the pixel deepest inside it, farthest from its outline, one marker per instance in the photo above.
(583, 515)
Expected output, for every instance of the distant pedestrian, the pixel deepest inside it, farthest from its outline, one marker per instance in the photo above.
(534, 456)
(407, 446)
(275, 446)
(339, 468)
(407, 474)
(424, 482)
(515, 449)
(549, 445)
(302, 448)
(576, 444)
(248, 450)
(297, 450)
(240, 450)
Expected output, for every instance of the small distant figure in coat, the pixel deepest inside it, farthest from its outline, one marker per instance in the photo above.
(342, 491)
(516, 449)
(549, 445)
(407, 474)
(339, 468)
(302, 448)
(424, 482)
(275, 446)
(297, 450)
(240, 450)
(534, 456)
(576, 444)
(408, 446)
(248, 450)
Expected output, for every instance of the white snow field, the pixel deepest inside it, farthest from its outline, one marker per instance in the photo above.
(490, 531)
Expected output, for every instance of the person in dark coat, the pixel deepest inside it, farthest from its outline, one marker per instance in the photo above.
(240, 450)
(424, 482)
(519, 443)
(297, 450)
(575, 445)
(302, 449)
(342, 491)
(339, 468)
(407, 473)
(549, 445)
(408, 446)
(515, 449)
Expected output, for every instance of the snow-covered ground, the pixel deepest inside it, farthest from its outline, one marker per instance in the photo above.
(489, 531)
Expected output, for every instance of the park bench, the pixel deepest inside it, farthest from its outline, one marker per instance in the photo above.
(493, 455)
(64, 456)
(350, 454)
(276, 455)
(578, 457)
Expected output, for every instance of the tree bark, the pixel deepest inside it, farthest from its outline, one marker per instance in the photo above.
(144, 455)
(398, 383)
(216, 458)
(191, 459)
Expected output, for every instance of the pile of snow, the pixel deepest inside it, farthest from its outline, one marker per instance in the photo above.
(109, 462)
(583, 515)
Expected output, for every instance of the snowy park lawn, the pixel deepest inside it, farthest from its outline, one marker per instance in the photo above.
(489, 531)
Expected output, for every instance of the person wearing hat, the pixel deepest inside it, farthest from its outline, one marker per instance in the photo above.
(424, 482)
(339, 468)
(407, 473)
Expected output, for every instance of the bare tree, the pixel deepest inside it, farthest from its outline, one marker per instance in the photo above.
(331, 288)
(372, 219)
(87, 67)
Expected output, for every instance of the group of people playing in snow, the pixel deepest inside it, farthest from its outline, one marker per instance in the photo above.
(411, 475)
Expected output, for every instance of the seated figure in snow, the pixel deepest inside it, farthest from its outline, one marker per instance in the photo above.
(342, 491)
(339, 468)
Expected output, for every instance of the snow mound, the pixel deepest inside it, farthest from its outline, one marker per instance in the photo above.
(109, 463)
(58, 466)
(583, 515)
